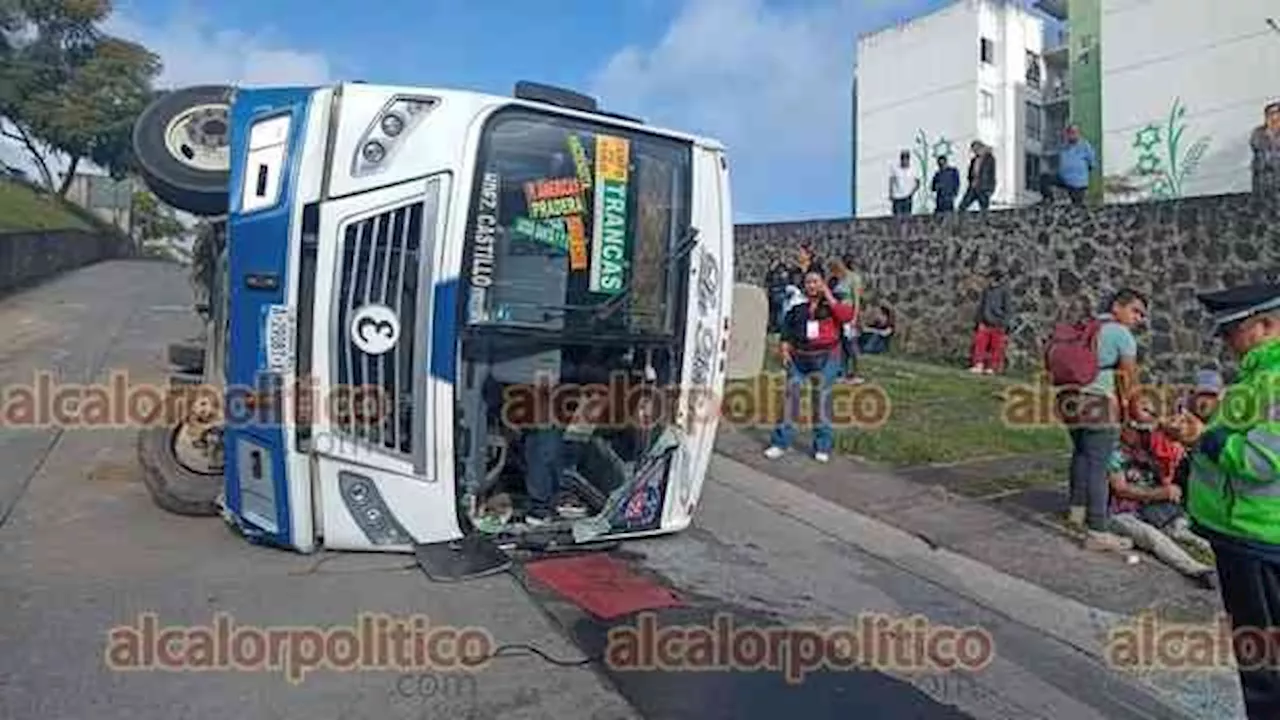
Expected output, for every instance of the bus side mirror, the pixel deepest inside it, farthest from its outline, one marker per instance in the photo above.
(748, 325)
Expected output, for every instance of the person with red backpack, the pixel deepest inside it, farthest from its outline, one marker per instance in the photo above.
(1092, 364)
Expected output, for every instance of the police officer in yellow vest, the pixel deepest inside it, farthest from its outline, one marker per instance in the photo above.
(1233, 490)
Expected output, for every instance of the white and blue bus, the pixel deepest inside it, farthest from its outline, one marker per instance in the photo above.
(440, 314)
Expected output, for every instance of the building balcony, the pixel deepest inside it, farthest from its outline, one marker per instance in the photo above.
(1056, 91)
(1054, 8)
(1057, 49)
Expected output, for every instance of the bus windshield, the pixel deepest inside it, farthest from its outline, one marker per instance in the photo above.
(569, 214)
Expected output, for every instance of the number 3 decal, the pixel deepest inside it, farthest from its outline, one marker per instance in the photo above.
(374, 329)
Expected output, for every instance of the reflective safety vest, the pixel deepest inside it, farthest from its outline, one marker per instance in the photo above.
(1237, 493)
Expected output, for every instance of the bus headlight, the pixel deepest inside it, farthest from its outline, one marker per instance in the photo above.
(369, 510)
(373, 152)
(387, 132)
(392, 125)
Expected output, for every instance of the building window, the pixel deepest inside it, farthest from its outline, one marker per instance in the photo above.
(987, 51)
(1035, 122)
(1033, 70)
(1031, 165)
(986, 104)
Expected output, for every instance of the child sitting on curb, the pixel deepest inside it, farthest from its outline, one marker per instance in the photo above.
(1146, 502)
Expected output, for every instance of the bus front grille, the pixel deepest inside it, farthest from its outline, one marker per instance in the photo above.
(375, 329)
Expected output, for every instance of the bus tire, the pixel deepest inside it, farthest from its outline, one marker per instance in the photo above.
(168, 160)
(172, 486)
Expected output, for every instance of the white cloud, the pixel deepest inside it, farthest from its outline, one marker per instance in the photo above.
(772, 83)
(195, 53)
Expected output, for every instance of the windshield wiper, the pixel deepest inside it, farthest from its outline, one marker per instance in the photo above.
(688, 241)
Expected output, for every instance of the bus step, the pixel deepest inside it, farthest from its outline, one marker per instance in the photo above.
(471, 557)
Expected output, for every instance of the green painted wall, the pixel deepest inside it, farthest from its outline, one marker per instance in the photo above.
(1085, 25)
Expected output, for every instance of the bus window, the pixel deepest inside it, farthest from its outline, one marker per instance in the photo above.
(572, 213)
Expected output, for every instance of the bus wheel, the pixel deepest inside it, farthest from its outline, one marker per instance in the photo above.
(182, 142)
(178, 480)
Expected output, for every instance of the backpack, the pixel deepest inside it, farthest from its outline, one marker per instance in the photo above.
(1071, 354)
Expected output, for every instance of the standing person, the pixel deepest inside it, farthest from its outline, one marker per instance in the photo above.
(847, 286)
(1076, 160)
(903, 185)
(991, 326)
(1093, 365)
(811, 346)
(945, 187)
(982, 178)
(788, 279)
(1265, 143)
(1233, 492)
(804, 262)
(776, 281)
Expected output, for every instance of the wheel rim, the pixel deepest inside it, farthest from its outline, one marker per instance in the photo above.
(200, 138)
(190, 457)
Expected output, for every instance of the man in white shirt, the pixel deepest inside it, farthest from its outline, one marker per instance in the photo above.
(902, 185)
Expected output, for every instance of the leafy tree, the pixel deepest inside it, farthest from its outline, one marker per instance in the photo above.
(153, 220)
(66, 88)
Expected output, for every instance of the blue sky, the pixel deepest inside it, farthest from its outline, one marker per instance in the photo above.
(770, 78)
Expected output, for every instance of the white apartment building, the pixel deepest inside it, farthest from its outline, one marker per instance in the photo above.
(971, 70)
(1183, 85)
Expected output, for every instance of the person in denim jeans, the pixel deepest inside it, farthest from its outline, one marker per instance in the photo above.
(1094, 415)
(811, 346)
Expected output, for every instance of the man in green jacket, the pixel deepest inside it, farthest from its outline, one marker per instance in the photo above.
(1233, 488)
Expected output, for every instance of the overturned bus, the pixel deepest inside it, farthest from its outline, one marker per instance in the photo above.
(435, 314)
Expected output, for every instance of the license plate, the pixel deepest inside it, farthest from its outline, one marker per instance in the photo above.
(279, 338)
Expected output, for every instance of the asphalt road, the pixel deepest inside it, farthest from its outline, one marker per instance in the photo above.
(82, 550)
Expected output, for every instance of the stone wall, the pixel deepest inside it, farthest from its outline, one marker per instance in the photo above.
(29, 257)
(929, 268)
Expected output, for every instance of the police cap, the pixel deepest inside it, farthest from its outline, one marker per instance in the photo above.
(1231, 306)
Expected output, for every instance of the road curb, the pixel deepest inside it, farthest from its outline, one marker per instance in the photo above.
(1071, 622)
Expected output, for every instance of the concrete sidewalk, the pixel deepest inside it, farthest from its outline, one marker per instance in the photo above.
(1021, 570)
(998, 534)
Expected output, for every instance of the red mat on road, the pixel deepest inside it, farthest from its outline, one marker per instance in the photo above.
(601, 585)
